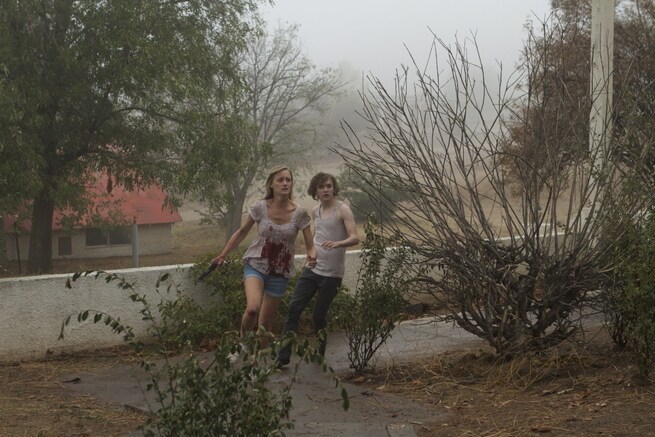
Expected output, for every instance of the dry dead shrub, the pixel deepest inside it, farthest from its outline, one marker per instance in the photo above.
(505, 237)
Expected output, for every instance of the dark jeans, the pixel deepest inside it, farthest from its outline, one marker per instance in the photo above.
(309, 283)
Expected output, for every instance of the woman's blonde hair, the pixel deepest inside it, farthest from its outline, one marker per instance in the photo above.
(269, 180)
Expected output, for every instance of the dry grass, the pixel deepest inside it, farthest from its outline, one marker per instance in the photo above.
(572, 390)
(36, 401)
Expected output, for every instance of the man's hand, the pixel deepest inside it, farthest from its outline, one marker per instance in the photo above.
(329, 244)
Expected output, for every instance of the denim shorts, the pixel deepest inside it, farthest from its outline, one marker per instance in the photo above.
(274, 286)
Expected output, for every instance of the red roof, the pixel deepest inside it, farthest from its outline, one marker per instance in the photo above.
(142, 207)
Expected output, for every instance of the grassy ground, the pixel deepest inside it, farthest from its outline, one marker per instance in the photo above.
(35, 400)
(574, 390)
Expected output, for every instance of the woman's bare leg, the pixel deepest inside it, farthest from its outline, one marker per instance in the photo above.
(266, 313)
(254, 289)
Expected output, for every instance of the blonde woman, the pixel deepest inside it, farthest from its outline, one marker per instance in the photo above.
(269, 260)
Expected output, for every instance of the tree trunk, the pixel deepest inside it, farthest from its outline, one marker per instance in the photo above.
(238, 188)
(3, 241)
(3, 245)
(234, 215)
(39, 259)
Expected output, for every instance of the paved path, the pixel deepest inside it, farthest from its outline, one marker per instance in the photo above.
(317, 408)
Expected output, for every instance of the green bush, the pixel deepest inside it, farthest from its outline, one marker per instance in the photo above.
(227, 283)
(341, 309)
(378, 300)
(629, 302)
(219, 398)
(215, 398)
(185, 323)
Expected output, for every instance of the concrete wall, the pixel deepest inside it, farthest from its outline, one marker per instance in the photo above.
(33, 308)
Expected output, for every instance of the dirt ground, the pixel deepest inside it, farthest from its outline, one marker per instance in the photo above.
(571, 391)
(574, 391)
(35, 399)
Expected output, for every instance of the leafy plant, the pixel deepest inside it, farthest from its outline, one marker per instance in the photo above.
(186, 323)
(378, 299)
(629, 303)
(209, 398)
(227, 282)
(340, 309)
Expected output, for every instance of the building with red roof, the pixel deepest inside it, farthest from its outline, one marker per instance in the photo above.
(106, 229)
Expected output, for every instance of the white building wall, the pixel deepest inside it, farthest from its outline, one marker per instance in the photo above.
(153, 240)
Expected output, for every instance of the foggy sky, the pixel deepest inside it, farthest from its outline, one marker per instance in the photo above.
(370, 34)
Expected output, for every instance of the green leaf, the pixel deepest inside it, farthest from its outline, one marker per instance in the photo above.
(345, 398)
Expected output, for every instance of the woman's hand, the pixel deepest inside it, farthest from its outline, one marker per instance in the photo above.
(220, 259)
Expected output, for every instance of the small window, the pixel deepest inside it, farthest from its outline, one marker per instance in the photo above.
(120, 236)
(64, 246)
(96, 237)
(113, 237)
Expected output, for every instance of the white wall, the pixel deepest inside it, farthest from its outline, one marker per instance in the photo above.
(33, 308)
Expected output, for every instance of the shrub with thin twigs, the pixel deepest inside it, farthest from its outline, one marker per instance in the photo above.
(211, 396)
(377, 301)
(514, 260)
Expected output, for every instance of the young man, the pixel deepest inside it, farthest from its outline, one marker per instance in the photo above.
(334, 231)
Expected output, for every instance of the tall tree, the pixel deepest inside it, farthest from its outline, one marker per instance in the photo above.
(15, 164)
(106, 86)
(558, 133)
(284, 89)
(555, 61)
(634, 83)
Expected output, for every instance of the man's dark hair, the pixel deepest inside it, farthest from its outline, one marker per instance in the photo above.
(320, 179)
